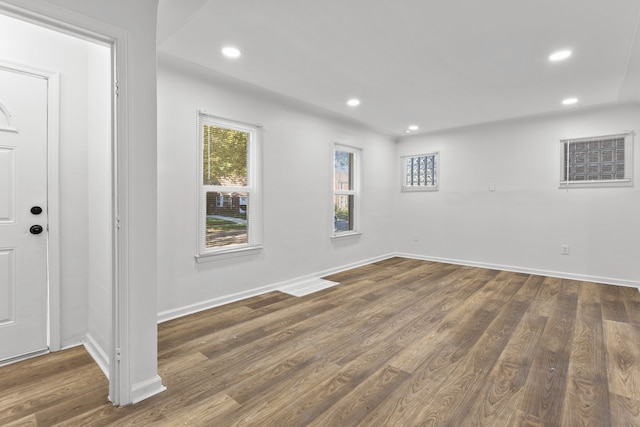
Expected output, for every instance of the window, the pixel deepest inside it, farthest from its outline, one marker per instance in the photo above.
(597, 161)
(230, 210)
(345, 190)
(420, 173)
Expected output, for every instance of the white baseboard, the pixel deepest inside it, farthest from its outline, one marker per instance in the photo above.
(97, 353)
(558, 274)
(215, 302)
(145, 389)
(226, 299)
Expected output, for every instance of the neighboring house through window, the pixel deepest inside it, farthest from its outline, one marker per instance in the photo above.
(230, 214)
(345, 190)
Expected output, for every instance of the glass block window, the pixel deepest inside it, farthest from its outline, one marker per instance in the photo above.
(597, 161)
(420, 172)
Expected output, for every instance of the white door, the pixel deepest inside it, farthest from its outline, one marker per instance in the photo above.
(23, 214)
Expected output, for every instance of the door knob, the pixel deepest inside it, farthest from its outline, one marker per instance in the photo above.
(35, 229)
(36, 210)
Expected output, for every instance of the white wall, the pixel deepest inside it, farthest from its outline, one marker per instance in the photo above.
(523, 223)
(297, 172)
(99, 330)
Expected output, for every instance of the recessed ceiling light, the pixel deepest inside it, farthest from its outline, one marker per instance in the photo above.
(569, 101)
(407, 131)
(559, 55)
(413, 127)
(353, 102)
(231, 52)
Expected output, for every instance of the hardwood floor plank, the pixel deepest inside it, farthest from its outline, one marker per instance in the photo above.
(632, 308)
(629, 293)
(304, 408)
(28, 421)
(32, 397)
(549, 290)
(351, 410)
(625, 412)
(454, 401)
(623, 359)
(614, 310)
(587, 401)
(504, 388)
(409, 399)
(547, 380)
(33, 370)
(398, 342)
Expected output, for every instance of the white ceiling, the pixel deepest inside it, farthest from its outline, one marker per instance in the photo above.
(435, 64)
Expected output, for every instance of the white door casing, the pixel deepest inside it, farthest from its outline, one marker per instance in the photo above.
(23, 186)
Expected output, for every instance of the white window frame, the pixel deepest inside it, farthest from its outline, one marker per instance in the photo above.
(253, 190)
(627, 181)
(403, 171)
(354, 191)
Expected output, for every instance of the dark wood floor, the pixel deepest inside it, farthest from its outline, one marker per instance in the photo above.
(399, 343)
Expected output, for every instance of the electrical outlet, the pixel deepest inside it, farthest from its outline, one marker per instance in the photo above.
(564, 249)
(492, 186)
(415, 237)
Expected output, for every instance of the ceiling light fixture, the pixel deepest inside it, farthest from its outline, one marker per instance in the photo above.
(231, 52)
(353, 102)
(559, 55)
(413, 127)
(569, 101)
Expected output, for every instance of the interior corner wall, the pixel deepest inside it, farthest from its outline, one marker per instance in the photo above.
(99, 323)
(297, 150)
(39, 47)
(521, 225)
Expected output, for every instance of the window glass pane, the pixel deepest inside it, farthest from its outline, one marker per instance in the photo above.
(224, 156)
(420, 171)
(593, 160)
(343, 213)
(226, 218)
(343, 170)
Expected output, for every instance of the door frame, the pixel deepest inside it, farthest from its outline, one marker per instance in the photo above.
(53, 194)
(63, 20)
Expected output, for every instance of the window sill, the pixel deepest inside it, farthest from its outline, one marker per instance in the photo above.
(414, 189)
(346, 235)
(596, 184)
(230, 253)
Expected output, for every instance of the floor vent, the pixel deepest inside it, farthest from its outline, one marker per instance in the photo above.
(308, 287)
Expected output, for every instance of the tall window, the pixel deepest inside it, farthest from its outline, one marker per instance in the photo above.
(345, 189)
(420, 173)
(597, 161)
(230, 210)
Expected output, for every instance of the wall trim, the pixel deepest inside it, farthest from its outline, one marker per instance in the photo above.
(147, 388)
(97, 353)
(515, 269)
(175, 313)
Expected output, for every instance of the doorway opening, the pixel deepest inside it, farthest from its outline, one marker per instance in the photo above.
(79, 189)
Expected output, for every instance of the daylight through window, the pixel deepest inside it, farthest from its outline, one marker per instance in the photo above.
(420, 173)
(229, 207)
(345, 189)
